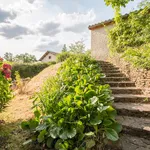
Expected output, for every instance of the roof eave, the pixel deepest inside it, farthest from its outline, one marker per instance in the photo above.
(100, 25)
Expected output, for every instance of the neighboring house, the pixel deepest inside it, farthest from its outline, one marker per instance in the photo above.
(99, 39)
(48, 56)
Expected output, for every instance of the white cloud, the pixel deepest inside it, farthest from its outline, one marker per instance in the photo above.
(48, 28)
(77, 22)
(76, 18)
(14, 31)
(31, 1)
(45, 44)
(7, 14)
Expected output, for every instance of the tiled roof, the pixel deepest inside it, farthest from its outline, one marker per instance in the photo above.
(54, 53)
(105, 23)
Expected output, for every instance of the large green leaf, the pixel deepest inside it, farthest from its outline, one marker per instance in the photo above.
(54, 132)
(94, 100)
(107, 122)
(37, 113)
(58, 144)
(90, 144)
(89, 94)
(111, 112)
(96, 120)
(78, 90)
(111, 134)
(41, 127)
(116, 126)
(63, 134)
(71, 133)
(41, 136)
(33, 124)
(49, 142)
(25, 125)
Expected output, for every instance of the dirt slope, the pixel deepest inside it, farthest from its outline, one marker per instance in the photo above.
(35, 84)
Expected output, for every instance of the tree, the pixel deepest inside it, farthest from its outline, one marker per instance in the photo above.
(64, 48)
(144, 3)
(25, 58)
(117, 3)
(78, 47)
(8, 56)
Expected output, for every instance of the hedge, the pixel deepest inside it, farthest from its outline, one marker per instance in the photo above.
(29, 70)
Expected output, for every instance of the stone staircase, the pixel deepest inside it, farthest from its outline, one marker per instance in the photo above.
(133, 109)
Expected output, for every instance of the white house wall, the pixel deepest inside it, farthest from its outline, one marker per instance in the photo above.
(99, 41)
(46, 58)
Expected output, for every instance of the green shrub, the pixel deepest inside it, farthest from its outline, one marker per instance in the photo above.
(63, 56)
(5, 91)
(131, 32)
(130, 37)
(52, 63)
(139, 57)
(28, 70)
(74, 111)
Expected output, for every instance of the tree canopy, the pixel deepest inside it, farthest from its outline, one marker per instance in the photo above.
(117, 3)
(8, 56)
(64, 48)
(24, 58)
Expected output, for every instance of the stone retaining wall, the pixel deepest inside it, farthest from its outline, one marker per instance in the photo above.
(141, 77)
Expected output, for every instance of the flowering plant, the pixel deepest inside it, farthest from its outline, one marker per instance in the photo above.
(5, 78)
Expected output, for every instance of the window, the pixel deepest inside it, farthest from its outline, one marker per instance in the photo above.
(49, 57)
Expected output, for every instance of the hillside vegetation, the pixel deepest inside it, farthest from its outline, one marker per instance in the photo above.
(131, 38)
(73, 110)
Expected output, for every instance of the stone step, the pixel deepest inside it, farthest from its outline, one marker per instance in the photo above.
(133, 109)
(131, 98)
(107, 65)
(135, 126)
(110, 68)
(114, 75)
(121, 84)
(112, 71)
(117, 79)
(126, 90)
(128, 142)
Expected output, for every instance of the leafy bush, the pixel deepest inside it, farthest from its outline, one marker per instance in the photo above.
(73, 110)
(5, 91)
(63, 56)
(28, 70)
(131, 35)
(139, 57)
(131, 32)
(51, 62)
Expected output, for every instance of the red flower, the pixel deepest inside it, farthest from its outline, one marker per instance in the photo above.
(7, 71)
(7, 66)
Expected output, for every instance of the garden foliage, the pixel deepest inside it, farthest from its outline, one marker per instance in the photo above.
(63, 56)
(74, 111)
(5, 78)
(28, 70)
(131, 37)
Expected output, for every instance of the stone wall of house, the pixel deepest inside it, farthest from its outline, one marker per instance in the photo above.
(141, 77)
(99, 42)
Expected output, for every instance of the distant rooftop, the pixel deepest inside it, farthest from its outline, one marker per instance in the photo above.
(54, 53)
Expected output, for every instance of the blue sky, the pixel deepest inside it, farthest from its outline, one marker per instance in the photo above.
(35, 26)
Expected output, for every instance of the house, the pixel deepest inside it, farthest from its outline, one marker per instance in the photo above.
(49, 56)
(99, 38)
